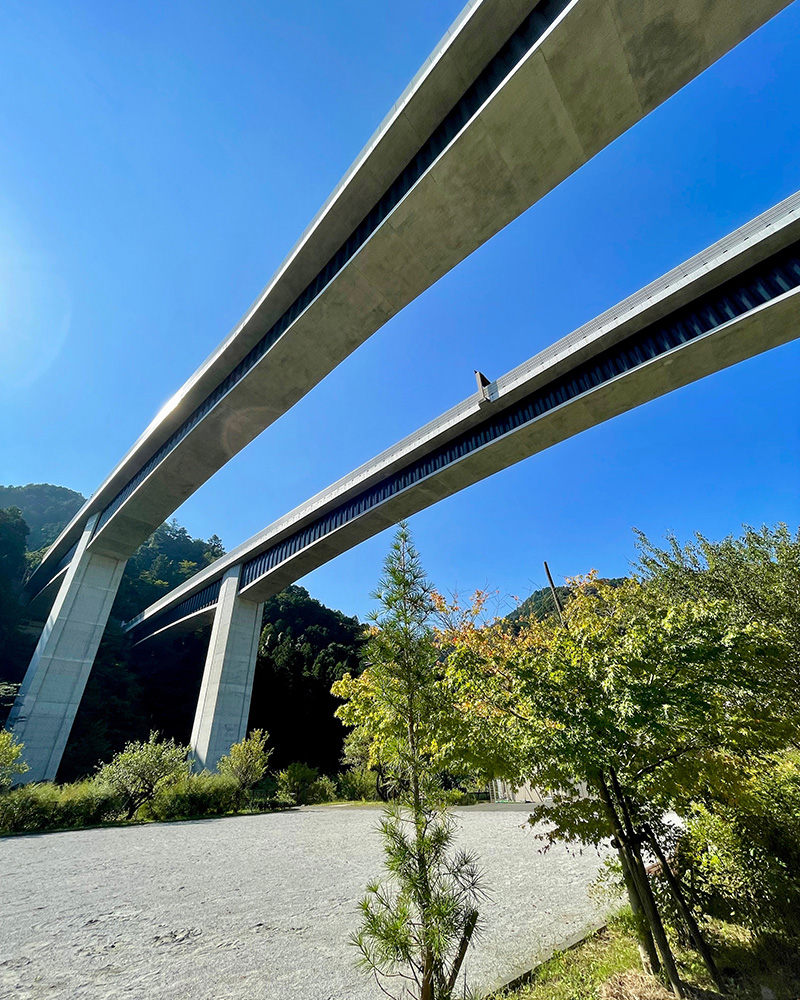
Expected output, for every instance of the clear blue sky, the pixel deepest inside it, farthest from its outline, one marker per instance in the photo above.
(158, 161)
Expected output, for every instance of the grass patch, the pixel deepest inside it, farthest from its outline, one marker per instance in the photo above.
(606, 967)
(579, 972)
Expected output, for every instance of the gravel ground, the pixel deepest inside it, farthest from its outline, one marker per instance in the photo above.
(255, 907)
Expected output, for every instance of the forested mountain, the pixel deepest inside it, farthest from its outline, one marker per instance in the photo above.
(46, 509)
(541, 603)
(304, 648)
(165, 560)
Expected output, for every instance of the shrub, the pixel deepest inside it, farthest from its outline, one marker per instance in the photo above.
(742, 857)
(31, 808)
(324, 789)
(457, 797)
(247, 762)
(11, 762)
(359, 784)
(196, 795)
(142, 768)
(302, 785)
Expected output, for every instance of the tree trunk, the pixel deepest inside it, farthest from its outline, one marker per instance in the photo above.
(686, 912)
(427, 977)
(660, 935)
(646, 892)
(469, 927)
(647, 947)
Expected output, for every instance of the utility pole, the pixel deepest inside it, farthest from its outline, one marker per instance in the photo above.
(553, 592)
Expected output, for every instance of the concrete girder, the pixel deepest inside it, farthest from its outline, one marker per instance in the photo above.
(751, 245)
(768, 326)
(758, 330)
(541, 124)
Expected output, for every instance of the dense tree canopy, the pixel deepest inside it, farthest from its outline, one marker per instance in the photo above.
(656, 689)
(168, 558)
(15, 647)
(650, 699)
(758, 573)
(304, 648)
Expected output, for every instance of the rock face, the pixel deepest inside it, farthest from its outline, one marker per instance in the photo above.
(256, 907)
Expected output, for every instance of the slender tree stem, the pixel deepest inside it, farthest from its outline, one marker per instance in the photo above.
(469, 928)
(647, 948)
(686, 912)
(646, 891)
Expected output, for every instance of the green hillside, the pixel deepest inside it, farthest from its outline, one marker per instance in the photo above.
(541, 603)
(46, 509)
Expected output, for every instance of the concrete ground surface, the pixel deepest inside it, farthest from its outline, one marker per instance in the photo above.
(256, 907)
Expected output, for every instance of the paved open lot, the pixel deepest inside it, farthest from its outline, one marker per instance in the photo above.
(254, 907)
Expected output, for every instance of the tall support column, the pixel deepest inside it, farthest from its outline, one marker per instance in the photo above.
(47, 701)
(224, 704)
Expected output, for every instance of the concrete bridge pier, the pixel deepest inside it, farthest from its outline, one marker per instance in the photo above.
(48, 700)
(224, 703)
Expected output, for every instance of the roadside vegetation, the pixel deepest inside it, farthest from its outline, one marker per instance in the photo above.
(606, 966)
(660, 714)
(152, 781)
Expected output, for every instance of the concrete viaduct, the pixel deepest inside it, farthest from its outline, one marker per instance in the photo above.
(736, 299)
(516, 97)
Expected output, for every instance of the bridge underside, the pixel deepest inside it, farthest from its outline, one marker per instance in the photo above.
(513, 103)
(702, 326)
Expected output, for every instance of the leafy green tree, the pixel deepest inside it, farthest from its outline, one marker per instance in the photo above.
(742, 843)
(11, 761)
(741, 852)
(418, 921)
(142, 768)
(214, 549)
(648, 701)
(247, 761)
(757, 573)
(303, 785)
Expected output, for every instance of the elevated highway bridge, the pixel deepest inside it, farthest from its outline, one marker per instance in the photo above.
(516, 97)
(736, 299)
